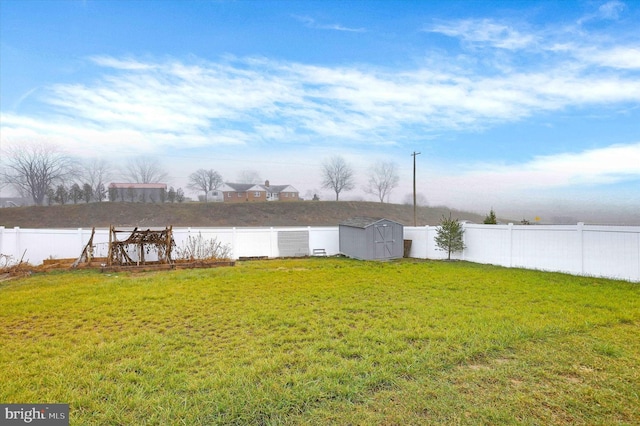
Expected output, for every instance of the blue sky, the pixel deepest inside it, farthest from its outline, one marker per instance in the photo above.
(532, 108)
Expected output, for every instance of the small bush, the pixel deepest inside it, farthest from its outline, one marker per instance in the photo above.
(490, 219)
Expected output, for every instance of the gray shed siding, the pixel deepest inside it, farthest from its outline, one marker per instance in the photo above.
(371, 239)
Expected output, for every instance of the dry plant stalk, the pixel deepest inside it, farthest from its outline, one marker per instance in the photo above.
(199, 248)
(13, 268)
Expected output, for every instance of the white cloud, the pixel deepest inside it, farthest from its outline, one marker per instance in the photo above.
(311, 23)
(121, 64)
(485, 31)
(611, 9)
(569, 46)
(621, 57)
(175, 104)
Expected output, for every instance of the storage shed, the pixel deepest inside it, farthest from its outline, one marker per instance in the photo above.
(368, 238)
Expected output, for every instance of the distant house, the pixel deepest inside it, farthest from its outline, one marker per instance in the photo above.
(241, 192)
(138, 192)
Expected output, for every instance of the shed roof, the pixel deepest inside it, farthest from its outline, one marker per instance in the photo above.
(364, 221)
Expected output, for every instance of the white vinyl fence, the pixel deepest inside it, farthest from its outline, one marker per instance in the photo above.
(604, 251)
(608, 251)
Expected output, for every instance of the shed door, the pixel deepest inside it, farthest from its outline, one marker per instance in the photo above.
(383, 236)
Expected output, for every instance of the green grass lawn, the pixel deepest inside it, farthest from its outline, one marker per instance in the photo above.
(324, 341)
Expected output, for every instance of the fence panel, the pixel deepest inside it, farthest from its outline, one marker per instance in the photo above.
(254, 242)
(608, 251)
(326, 238)
(423, 245)
(549, 248)
(39, 244)
(488, 244)
(419, 241)
(611, 252)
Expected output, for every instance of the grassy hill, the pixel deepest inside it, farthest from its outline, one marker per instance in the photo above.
(303, 213)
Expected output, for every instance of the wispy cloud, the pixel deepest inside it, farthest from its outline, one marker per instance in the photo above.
(233, 101)
(312, 23)
(621, 57)
(484, 32)
(568, 46)
(121, 64)
(610, 11)
(22, 98)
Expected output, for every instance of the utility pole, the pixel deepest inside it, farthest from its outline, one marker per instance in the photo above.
(415, 223)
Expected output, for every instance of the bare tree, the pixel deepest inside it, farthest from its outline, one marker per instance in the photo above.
(204, 180)
(33, 168)
(144, 170)
(97, 172)
(337, 175)
(249, 176)
(383, 177)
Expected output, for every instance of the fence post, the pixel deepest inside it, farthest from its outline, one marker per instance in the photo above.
(464, 239)
(80, 239)
(580, 230)
(271, 251)
(510, 230)
(16, 230)
(638, 276)
(1, 238)
(234, 244)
